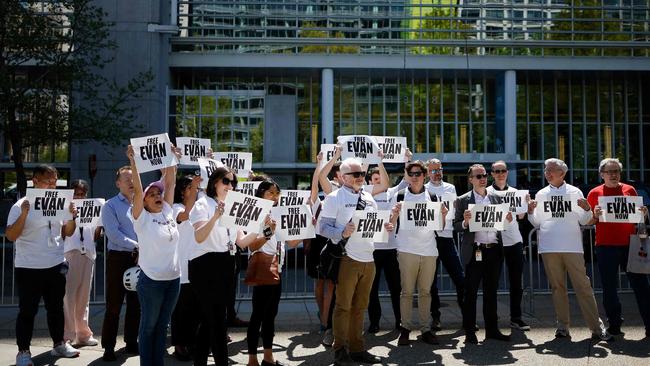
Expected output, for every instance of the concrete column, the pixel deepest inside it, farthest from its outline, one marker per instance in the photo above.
(327, 106)
(507, 119)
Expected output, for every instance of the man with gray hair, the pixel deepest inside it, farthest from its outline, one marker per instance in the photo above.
(560, 245)
(357, 268)
(612, 246)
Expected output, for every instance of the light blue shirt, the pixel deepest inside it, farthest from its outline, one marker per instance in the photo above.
(117, 226)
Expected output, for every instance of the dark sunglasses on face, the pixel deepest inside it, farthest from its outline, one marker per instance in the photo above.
(229, 182)
(481, 176)
(357, 174)
(436, 171)
(499, 171)
(416, 173)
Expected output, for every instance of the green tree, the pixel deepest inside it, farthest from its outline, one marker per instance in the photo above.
(309, 32)
(443, 29)
(52, 89)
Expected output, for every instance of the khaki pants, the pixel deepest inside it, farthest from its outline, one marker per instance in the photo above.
(416, 270)
(557, 265)
(77, 295)
(352, 296)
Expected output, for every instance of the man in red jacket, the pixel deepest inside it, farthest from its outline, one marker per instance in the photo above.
(612, 244)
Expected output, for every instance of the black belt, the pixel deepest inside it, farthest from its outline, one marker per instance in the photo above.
(486, 245)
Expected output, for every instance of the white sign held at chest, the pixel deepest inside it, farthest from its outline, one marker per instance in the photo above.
(192, 149)
(153, 153)
(240, 162)
(488, 217)
(621, 208)
(556, 207)
(245, 212)
(89, 211)
(369, 226)
(293, 222)
(207, 167)
(516, 200)
(420, 216)
(50, 204)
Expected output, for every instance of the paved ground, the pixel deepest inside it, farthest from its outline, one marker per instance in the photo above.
(298, 343)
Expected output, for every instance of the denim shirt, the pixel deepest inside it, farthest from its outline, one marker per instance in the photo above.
(117, 226)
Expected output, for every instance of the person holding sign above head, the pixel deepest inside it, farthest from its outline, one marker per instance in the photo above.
(417, 252)
(612, 244)
(80, 253)
(159, 280)
(212, 265)
(40, 267)
(266, 294)
(357, 270)
(513, 247)
(447, 253)
(333, 167)
(482, 255)
(122, 254)
(560, 245)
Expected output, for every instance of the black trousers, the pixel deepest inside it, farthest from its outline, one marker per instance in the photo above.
(486, 271)
(265, 308)
(386, 261)
(116, 263)
(514, 258)
(448, 257)
(32, 285)
(185, 318)
(232, 297)
(211, 279)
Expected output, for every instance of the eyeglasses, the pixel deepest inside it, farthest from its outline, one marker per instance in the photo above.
(481, 176)
(499, 171)
(417, 173)
(436, 171)
(229, 182)
(612, 172)
(356, 174)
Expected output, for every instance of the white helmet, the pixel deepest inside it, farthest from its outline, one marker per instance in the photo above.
(130, 278)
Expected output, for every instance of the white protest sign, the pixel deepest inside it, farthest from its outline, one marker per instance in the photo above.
(420, 216)
(328, 153)
(448, 199)
(488, 217)
(248, 188)
(394, 148)
(89, 211)
(245, 212)
(50, 204)
(516, 200)
(621, 208)
(192, 149)
(240, 162)
(555, 207)
(369, 226)
(153, 153)
(206, 167)
(361, 147)
(294, 197)
(293, 222)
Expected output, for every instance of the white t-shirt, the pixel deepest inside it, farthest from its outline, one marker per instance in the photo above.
(511, 235)
(274, 246)
(340, 205)
(157, 243)
(186, 242)
(444, 187)
(74, 242)
(40, 244)
(219, 238)
(418, 242)
(561, 236)
(384, 203)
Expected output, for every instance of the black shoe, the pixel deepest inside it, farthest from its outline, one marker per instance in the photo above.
(182, 354)
(237, 323)
(364, 357)
(498, 336)
(435, 325)
(373, 328)
(470, 338)
(132, 348)
(342, 357)
(277, 363)
(613, 330)
(109, 355)
(404, 338)
(430, 338)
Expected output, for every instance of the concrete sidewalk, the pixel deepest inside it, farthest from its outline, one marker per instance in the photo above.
(297, 341)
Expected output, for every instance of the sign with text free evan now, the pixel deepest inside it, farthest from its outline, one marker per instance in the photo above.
(193, 148)
(245, 212)
(369, 226)
(293, 222)
(50, 204)
(240, 162)
(556, 207)
(488, 217)
(206, 167)
(153, 153)
(624, 209)
(89, 211)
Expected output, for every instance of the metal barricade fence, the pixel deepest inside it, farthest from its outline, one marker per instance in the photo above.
(297, 285)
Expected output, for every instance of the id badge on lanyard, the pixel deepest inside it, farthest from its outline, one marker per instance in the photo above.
(478, 255)
(231, 245)
(81, 239)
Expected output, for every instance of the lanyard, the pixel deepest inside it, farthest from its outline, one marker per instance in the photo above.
(81, 238)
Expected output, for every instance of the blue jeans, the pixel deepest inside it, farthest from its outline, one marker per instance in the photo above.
(157, 301)
(610, 259)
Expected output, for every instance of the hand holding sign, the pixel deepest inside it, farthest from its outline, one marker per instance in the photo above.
(51, 204)
(370, 226)
(626, 209)
(556, 207)
(489, 217)
(153, 153)
(421, 216)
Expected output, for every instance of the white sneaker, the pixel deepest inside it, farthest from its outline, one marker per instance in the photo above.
(64, 350)
(89, 342)
(24, 358)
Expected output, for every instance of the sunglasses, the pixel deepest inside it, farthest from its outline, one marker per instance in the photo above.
(415, 173)
(481, 176)
(499, 171)
(436, 171)
(357, 174)
(229, 182)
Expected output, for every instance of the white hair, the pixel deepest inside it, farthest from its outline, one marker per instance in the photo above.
(346, 165)
(554, 161)
(434, 161)
(604, 162)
